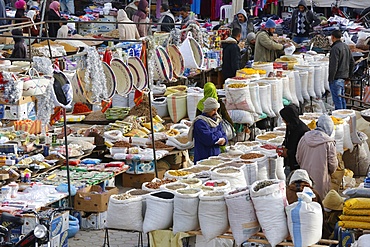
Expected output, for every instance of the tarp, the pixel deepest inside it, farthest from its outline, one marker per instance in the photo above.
(358, 4)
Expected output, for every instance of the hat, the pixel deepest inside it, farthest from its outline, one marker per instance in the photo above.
(333, 201)
(210, 104)
(251, 36)
(20, 4)
(300, 175)
(270, 24)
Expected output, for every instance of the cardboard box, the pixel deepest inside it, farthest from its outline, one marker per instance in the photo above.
(173, 159)
(139, 167)
(61, 240)
(136, 180)
(92, 199)
(18, 112)
(22, 100)
(93, 221)
(6, 40)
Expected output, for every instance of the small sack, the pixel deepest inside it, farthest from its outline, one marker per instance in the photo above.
(228, 129)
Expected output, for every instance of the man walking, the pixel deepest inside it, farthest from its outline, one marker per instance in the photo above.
(302, 22)
(341, 65)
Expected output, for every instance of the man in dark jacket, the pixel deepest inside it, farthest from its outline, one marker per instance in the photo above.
(302, 22)
(241, 22)
(231, 54)
(295, 129)
(341, 65)
(166, 17)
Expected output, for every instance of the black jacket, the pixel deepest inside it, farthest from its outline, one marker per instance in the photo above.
(311, 20)
(294, 131)
(341, 61)
(53, 27)
(231, 57)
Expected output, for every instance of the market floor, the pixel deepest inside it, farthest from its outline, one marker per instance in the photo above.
(94, 238)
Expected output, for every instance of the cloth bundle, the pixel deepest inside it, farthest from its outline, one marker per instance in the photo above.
(356, 213)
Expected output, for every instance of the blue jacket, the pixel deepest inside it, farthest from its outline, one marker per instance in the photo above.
(205, 138)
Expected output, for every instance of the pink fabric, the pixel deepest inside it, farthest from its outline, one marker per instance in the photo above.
(20, 4)
(55, 6)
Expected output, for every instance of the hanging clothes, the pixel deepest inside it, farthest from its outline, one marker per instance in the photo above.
(195, 7)
(205, 9)
(219, 3)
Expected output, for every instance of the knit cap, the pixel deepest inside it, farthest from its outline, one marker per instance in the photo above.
(270, 24)
(210, 104)
(20, 4)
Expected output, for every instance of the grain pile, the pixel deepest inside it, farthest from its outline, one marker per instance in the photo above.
(142, 110)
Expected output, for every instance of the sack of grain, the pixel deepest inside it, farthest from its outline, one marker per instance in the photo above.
(242, 216)
(262, 163)
(238, 97)
(304, 219)
(132, 219)
(159, 211)
(286, 90)
(241, 116)
(272, 193)
(298, 86)
(276, 97)
(232, 174)
(303, 75)
(265, 94)
(255, 97)
(176, 103)
(310, 80)
(185, 214)
(192, 103)
(292, 88)
(212, 214)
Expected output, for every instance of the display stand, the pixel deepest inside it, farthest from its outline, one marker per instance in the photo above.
(140, 241)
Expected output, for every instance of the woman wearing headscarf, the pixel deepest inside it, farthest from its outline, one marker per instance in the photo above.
(33, 30)
(141, 16)
(316, 153)
(207, 131)
(21, 7)
(126, 31)
(54, 15)
(210, 91)
(295, 129)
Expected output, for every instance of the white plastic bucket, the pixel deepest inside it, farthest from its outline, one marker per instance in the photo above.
(161, 105)
(192, 53)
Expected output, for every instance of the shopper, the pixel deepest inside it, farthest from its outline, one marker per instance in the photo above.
(316, 153)
(207, 131)
(302, 22)
(210, 91)
(341, 64)
(63, 30)
(247, 54)
(231, 57)
(126, 31)
(68, 6)
(184, 12)
(32, 30)
(295, 129)
(141, 17)
(131, 8)
(21, 7)
(3, 13)
(54, 15)
(267, 49)
(166, 18)
(241, 22)
(19, 50)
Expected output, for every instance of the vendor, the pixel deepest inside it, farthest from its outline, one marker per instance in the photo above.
(302, 22)
(316, 153)
(126, 31)
(184, 12)
(267, 48)
(241, 22)
(295, 129)
(54, 15)
(207, 132)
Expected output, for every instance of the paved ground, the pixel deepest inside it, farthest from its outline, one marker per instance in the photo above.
(96, 238)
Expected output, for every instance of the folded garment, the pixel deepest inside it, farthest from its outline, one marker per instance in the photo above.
(357, 203)
(355, 218)
(354, 224)
(358, 212)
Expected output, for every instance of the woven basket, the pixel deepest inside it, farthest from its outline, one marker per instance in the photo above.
(177, 60)
(192, 53)
(123, 75)
(162, 65)
(139, 73)
(111, 80)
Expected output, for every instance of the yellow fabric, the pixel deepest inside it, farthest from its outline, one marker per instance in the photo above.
(165, 238)
(354, 224)
(357, 203)
(358, 212)
(175, 89)
(354, 218)
(312, 125)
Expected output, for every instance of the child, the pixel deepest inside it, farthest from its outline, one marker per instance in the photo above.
(63, 30)
(19, 50)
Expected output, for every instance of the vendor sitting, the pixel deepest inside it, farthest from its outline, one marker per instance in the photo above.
(207, 132)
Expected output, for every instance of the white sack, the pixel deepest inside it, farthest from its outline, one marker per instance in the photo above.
(239, 99)
(298, 86)
(303, 75)
(192, 103)
(232, 174)
(241, 117)
(265, 94)
(286, 90)
(255, 97)
(292, 88)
